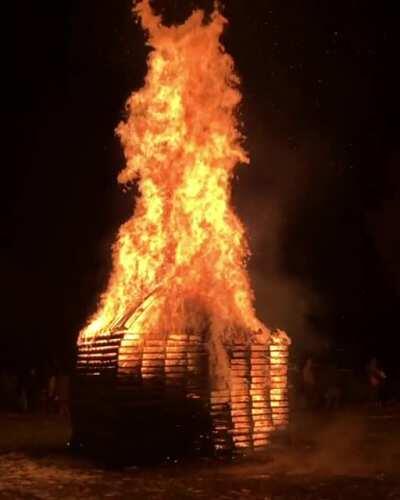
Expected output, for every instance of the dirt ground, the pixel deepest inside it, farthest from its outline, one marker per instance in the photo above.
(347, 455)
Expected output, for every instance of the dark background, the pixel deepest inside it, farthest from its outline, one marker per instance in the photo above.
(320, 199)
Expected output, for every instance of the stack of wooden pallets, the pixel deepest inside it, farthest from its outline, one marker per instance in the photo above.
(153, 398)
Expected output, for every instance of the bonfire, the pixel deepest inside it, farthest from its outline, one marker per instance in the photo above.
(177, 319)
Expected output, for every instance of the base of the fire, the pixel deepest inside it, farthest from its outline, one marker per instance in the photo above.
(147, 400)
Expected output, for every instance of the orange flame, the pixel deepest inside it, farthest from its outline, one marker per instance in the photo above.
(184, 249)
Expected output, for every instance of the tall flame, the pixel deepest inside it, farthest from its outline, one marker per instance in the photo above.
(184, 246)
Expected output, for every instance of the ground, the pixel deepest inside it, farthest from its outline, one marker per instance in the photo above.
(347, 455)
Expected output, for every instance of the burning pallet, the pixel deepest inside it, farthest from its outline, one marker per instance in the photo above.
(154, 398)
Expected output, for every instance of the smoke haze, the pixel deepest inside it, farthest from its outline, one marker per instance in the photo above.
(285, 296)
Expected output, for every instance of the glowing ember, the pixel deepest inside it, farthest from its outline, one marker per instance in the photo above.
(179, 262)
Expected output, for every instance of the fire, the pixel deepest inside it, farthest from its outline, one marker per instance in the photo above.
(175, 341)
(180, 262)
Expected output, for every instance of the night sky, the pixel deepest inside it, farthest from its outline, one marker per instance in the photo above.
(320, 199)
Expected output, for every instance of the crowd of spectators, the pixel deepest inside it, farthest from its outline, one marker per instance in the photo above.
(43, 389)
(321, 384)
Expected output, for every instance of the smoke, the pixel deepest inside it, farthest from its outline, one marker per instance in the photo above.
(344, 444)
(283, 180)
(335, 445)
